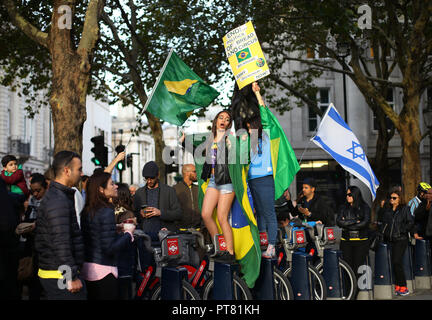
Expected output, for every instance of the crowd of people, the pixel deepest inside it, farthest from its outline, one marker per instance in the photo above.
(80, 229)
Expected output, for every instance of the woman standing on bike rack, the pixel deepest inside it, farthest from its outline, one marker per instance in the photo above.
(220, 191)
(102, 244)
(354, 217)
(260, 176)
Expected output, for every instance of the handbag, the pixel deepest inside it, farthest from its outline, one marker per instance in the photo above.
(25, 268)
(375, 240)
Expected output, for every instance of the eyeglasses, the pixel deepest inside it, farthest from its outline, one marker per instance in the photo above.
(394, 198)
(349, 195)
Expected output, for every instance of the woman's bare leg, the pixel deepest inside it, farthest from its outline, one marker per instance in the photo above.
(224, 206)
(210, 202)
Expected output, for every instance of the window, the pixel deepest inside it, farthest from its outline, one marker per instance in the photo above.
(323, 103)
(390, 101)
(310, 52)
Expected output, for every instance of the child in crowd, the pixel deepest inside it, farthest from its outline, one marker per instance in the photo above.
(14, 177)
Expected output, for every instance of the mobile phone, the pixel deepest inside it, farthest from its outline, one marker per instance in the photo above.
(144, 206)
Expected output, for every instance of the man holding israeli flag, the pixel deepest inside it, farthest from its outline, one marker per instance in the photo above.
(338, 140)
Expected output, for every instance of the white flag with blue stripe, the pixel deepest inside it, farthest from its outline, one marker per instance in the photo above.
(338, 140)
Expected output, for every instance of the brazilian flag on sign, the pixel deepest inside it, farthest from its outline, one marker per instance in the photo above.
(178, 91)
(243, 55)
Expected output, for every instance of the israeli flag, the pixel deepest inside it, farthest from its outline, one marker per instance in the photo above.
(338, 140)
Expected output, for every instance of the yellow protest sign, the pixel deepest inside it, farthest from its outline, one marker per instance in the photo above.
(245, 56)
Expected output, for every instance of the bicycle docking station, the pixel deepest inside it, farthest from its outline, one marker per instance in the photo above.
(331, 270)
(171, 277)
(264, 286)
(223, 288)
(422, 264)
(332, 274)
(383, 288)
(365, 281)
(300, 276)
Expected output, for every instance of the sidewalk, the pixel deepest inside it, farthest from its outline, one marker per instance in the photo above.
(419, 294)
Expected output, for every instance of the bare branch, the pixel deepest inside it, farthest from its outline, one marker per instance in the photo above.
(90, 33)
(25, 26)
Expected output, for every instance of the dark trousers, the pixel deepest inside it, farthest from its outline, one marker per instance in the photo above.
(104, 289)
(397, 251)
(9, 256)
(125, 288)
(53, 292)
(354, 253)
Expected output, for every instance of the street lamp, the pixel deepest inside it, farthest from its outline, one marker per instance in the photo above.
(343, 49)
(427, 116)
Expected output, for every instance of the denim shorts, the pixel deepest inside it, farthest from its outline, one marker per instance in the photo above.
(223, 188)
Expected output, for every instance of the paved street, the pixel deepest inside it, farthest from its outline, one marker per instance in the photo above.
(421, 294)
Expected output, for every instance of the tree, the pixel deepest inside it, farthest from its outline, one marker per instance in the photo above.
(137, 41)
(399, 28)
(70, 51)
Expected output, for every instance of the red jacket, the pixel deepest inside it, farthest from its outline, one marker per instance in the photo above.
(17, 178)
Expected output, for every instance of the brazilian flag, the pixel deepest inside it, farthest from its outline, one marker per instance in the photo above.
(243, 223)
(284, 161)
(178, 91)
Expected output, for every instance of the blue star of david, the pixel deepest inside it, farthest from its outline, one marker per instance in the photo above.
(356, 155)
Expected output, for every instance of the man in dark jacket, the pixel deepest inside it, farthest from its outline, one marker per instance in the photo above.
(422, 217)
(312, 207)
(187, 194)
(58, 239)
(156, 205)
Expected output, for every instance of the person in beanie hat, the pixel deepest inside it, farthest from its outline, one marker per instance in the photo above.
(156, 205)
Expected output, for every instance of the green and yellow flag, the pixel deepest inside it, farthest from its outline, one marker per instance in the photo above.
(243, 223)
(284, 161)
(178, 91)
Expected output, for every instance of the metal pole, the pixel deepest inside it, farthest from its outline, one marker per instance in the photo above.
(430, 154)
(346, 120)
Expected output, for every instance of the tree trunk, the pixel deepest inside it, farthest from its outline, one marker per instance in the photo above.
(410, 141)
(68, 100)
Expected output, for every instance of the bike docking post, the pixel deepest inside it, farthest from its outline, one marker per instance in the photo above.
(422, 264)
(332, 274)
(408, 268)
(383, 288)
(300, 277)
(264, 285)
(364, 282)
(171, 277)
(331, 270)
(171, 283)
(223, 288)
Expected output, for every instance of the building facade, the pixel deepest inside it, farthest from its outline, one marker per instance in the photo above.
(31, 140)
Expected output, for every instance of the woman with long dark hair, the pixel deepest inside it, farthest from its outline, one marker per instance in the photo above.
(101, 241)
(220, 192)
(396, 222)
(260, 175)
(354, 217)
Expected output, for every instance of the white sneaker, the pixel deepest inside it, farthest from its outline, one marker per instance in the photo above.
(270, 252)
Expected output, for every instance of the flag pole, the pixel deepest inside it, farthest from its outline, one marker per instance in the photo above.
(158, 80)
